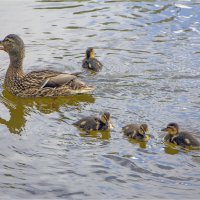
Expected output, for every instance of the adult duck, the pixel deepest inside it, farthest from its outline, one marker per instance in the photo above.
(45, 83)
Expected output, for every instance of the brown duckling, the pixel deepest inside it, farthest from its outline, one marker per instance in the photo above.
(90, 62)
(45, 83)
(95, 123)
(137, 132)
(184, 139)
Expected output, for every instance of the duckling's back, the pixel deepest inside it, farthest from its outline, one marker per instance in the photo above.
(92, 64)
(130, 129)
(186, 139)
(87, 123)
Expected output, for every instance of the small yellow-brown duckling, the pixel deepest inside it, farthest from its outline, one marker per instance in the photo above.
(90, 62)
(184, 139)
(95, 123)
(137, 132)
(44, 83)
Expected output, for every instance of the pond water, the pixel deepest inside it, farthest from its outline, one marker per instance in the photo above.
(150, 51)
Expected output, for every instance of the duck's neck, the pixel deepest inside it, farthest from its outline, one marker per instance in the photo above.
(16, 61)
(15, 70)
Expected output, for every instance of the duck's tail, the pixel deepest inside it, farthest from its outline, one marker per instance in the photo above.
(83, 90)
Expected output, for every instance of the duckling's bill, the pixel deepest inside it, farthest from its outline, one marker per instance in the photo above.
(111, 126)
(147, 138)
(1, 45)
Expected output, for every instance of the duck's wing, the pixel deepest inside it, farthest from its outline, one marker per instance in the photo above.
(48, 78)
(58, 80)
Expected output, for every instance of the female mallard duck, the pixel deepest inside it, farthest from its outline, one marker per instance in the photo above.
(95, 123)
(37, 83)
(137, 132)
(90, 62)
(184, 139)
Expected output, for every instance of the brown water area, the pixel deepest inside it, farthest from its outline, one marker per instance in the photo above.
(150, 51)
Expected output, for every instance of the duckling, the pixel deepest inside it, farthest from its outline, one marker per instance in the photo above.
(95, 123)
(45, 83)
(184, 139)
(137, 132)
(90, 62)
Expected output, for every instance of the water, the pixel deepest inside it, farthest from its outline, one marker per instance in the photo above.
(150, 50)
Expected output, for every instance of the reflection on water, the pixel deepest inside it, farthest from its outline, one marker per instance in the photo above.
(20, 108)
(104, 135)
(150, 52)
(17, 120)
(171, 149)
(141, 144)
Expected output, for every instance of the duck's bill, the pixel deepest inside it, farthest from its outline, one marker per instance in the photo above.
(111, 126)
(1, 46)
(164, 129)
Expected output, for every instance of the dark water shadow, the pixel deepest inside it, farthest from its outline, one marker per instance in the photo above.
(20, 108)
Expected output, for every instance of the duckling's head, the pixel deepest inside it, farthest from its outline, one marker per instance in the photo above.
(13, 45)
(105, 118)
(143, 129)
(171, 129)
(90, 53)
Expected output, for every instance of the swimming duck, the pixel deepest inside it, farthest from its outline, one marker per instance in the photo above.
(45, 83)
(95, 123)
(137, 132)
(90, 62)
(184, 139)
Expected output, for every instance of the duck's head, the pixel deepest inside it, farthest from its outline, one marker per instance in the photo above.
(171, 129)
(143, 129)
(13, 45)
(105, 118)
(90, 53)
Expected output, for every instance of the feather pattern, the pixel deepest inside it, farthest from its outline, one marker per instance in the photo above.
(92, 64)
(93, 123)
(45, 83)
(132, 131)
(183, 139)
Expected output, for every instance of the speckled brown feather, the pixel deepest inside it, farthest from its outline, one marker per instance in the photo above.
(30, 85)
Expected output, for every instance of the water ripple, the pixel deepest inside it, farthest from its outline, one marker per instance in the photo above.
(150, 52)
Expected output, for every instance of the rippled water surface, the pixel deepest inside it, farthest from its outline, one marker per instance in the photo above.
(150, 51)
